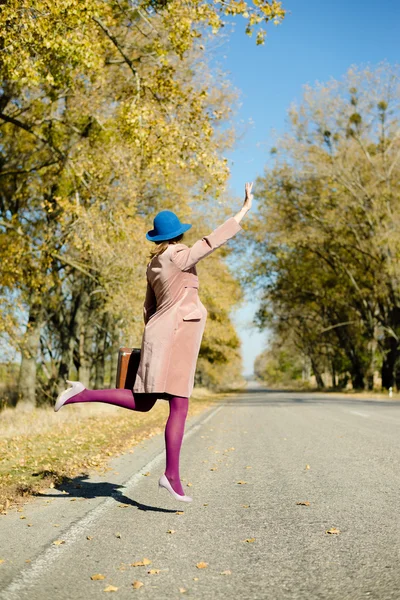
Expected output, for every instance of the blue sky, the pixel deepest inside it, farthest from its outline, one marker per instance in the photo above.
(317, 41)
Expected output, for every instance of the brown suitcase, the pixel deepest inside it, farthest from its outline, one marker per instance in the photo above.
(128, 364)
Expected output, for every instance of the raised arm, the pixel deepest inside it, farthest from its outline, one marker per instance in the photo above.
(185, 258)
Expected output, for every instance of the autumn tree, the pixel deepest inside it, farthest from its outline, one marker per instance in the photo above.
(327, 232)
(108, 112)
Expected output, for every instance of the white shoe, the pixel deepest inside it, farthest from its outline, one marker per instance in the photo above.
(163, 482)
(76, 388)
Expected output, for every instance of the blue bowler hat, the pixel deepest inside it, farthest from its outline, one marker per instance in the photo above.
(166, 226)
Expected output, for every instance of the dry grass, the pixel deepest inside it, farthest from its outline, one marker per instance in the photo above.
(39, 448)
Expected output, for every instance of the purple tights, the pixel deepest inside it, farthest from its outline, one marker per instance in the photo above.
(174, 429)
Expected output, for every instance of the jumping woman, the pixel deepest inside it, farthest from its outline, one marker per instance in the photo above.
(174, 320)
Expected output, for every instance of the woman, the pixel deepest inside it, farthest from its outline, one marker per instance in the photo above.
(174, 320)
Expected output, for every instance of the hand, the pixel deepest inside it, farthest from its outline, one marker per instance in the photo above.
(248, 196)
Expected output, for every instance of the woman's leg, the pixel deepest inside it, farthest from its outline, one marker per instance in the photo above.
(118, 397)
(174, 430)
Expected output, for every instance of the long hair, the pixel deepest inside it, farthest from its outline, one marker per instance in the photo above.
(160, 247)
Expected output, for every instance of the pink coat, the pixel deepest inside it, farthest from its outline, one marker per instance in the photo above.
(174, 316)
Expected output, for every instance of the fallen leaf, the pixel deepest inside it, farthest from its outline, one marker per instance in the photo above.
(205, 504)
(56, 525)
(171, 531)
(213, 469)
(153, 571)
(202, 565)
(249, 467)
(146, 474)
(97, 577)
(110, 588)
(2, 560)
(22, 517)
(137, 584)
(180, 512)
(195, 578)
(118, 535)
(58, 542)
(333, 530)
(89, 537)
(182, 590)
(250, 540)
(123, 505)
(308, 467)
(227, 572)
(303, 503)
(189, 484)
(246, 505)
(141, 563)
(73, 500)
(29, 524)
(241, 482)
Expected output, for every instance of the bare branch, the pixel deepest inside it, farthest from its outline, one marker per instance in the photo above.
(114, 40)
(337, 325)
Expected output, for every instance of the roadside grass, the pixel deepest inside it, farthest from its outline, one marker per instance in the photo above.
(41, 449)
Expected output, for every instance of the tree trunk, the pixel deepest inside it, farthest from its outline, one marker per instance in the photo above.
(318, 376)
(86, 352)
(306, 368)
(333, 373)
(354, 352)
(397, 373)
(114, 356)
(389, 362)
(29, 351)
(357, 379)
(70, 336)
(372, 350)
(101, 354)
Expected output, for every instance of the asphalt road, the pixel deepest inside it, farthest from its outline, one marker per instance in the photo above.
(265, 440)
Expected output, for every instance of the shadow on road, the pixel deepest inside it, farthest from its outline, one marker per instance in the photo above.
(81, 487)
(264, 396)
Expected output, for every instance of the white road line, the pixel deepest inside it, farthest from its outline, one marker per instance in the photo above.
(354, 412)
(29, 575)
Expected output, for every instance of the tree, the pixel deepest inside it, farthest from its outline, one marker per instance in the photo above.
(326, 236)
(104, 107)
